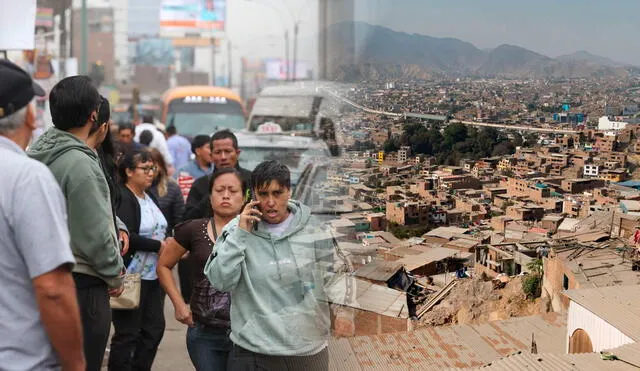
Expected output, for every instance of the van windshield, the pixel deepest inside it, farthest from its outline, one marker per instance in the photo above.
(291, 113)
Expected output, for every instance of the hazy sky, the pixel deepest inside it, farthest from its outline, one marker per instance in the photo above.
(552, 27)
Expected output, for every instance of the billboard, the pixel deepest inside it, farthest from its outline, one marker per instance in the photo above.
(17, 25)
(154, 52)
(276, 69)
(44, 18)
(192, 16)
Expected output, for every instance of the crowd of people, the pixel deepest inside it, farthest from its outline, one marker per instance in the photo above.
(88, 204)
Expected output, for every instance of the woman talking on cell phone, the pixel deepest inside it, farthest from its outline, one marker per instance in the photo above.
(208, 315)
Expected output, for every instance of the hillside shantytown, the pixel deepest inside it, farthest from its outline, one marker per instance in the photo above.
(528, 250)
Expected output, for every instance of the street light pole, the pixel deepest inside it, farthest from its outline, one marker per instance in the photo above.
(286, 33)
(286, 53)
(296, 29)
(213, 61)
(83, 49)
(229, 63)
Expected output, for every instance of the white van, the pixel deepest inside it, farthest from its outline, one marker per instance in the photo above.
(299, 108)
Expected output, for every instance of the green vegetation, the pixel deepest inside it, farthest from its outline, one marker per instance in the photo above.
(403, 232)
(362, 146)
(532, 283)
(456, 142)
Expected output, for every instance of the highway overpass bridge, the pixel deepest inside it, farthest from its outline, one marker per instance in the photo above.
(520, 128)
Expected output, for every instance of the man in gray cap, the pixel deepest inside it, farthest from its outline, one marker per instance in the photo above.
(41, 328)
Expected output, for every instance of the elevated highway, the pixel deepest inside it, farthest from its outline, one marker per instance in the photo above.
(439, 118)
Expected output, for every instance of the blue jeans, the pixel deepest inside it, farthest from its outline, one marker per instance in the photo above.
(208, 347)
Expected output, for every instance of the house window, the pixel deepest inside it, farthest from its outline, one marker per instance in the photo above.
(565, 282)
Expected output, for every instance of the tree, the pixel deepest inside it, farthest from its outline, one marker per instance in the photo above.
(503, 148)
(532, 283)
(391, 145)
(531, 139)
(454, 133)
(536, 266)
(517, 139)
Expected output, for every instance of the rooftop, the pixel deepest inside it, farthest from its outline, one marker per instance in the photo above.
(447, 232)
(435, 254)
(585, 361)
(598, 267)
(459, 346)
(378, 299)
(616, 305)
(631, 205)
(378, 270)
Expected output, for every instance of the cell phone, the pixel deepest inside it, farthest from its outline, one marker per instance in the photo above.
(253, 198)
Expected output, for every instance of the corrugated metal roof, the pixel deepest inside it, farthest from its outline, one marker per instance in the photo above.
(412, 262)
(460, 346)
(378, 299)
(592, 237)
(584, 361)
(631, 205)
(378, 270)
(569, 224)
(404, 251)
(600, 268)
(619, 306)
(554, 362)
(463, 243)
(446, 232)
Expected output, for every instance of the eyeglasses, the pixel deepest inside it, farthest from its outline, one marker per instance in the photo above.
(148, 169)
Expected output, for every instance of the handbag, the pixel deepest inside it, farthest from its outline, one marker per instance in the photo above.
(130, 297)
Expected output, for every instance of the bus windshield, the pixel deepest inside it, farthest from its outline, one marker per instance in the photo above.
(205, 116)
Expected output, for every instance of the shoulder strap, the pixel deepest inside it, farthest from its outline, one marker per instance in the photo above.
(213, 228)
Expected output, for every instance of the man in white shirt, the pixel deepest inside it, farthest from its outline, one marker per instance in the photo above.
(41, 328)
(159, 142)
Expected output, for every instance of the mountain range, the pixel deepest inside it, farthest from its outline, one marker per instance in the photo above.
(381, 53)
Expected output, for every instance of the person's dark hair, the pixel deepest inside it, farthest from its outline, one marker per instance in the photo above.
(71, 101)
(171, 130)
(268, 171)
(147, 119)
(107, 154)
(127, 126)
(130, 160)
(146, 137)
(104, 113)
(199, 141)
(227, 170)
(224, 134)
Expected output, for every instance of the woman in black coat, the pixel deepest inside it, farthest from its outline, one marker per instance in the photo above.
(138, 332)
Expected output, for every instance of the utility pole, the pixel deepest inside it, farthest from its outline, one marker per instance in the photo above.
(296, 28)
(286, 53)
(323, 39)
(84, 31)
(213, 61)
(242, 87)
(229, 62)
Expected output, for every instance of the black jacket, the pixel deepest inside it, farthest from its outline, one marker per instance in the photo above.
(171, 205)
(128, 210)
(198, 204)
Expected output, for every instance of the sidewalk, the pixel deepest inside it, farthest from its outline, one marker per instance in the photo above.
(172, 353)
